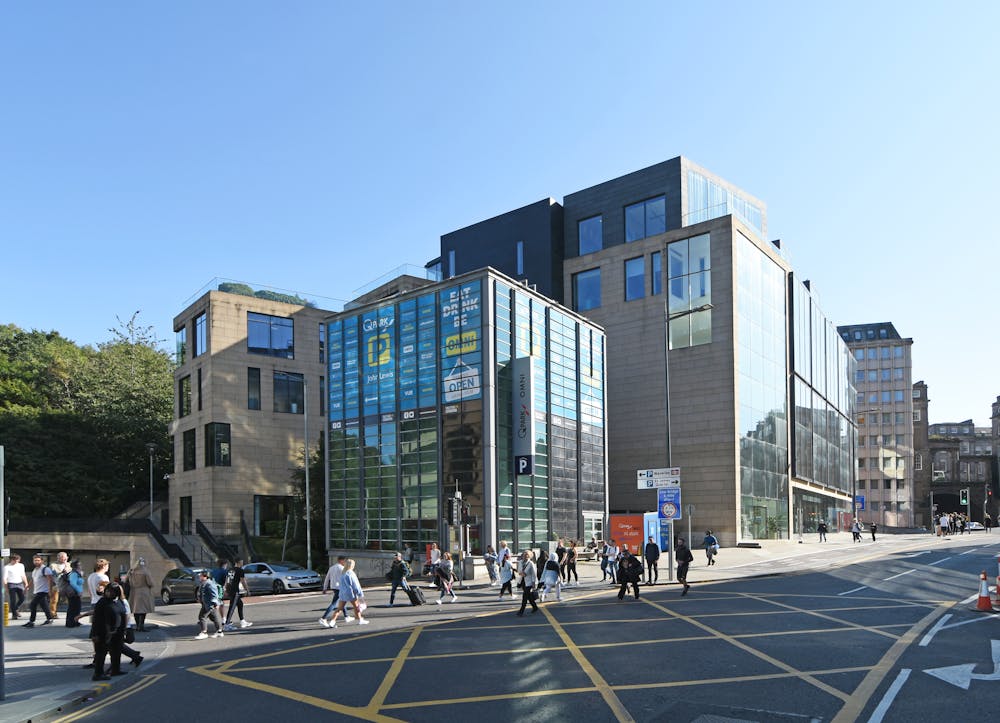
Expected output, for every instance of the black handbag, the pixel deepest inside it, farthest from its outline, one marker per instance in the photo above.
(129, 635)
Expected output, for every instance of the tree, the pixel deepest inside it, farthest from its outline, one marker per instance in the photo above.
(74, 420)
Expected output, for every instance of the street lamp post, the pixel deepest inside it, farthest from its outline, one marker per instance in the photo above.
(667, 318)
(305, 441)
(150, 447)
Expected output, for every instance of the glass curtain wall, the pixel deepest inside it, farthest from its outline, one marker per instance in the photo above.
(763, 407)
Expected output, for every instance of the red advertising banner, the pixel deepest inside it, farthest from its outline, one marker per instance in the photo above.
(627, 530)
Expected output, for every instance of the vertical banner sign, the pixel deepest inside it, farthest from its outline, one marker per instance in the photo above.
(524, 416)
(461, 352)
(427, 351)
(408, 355)
(352, 398)
(335, 374)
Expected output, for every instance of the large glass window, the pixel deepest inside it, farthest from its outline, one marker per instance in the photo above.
(217, 452)
(322, 342)
(635, 278)
(189, 449)
(181, 337)
(690, 287)
(184, 396)
(200, 335)
(253, 388)
(656, 272)
(646, 218)
(707, 199)
(587, 290)
(288, 392)
(590, 235)
(270, 335)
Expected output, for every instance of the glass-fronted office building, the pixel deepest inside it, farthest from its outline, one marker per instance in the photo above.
(463, 413)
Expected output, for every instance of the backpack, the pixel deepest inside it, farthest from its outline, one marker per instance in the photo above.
(64, 586)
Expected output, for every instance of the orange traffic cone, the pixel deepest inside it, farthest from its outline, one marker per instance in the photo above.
(984, 604)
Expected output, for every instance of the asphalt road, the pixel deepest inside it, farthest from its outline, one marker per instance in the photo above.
(887, 633)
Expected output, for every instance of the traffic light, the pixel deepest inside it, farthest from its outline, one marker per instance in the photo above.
(453, 507)
(963, 496)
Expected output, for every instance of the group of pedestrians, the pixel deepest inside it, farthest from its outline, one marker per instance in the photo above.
(343, 582)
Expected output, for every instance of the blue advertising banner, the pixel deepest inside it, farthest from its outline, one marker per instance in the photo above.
(335, 372)
(408, 355)
(461, 350)
(351, 384)
(427, 351)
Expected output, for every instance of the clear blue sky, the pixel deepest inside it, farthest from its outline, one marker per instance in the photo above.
(146, 148)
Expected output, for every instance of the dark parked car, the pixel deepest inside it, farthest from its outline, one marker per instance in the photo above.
(279, 577)
(180, 585)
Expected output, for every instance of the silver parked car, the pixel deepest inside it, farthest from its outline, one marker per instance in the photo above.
(279, 577)
(180, 585)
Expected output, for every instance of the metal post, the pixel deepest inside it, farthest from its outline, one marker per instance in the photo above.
(150, 447)
(305, 439)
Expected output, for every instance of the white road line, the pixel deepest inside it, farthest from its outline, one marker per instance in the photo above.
(938, 562)
(899, 575)
(968, 552)
(889, 697)
(863, 587)
(939, 625)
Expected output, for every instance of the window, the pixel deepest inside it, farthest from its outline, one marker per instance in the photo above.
(646, 218)
(873, 440)
(590, 235)
(883, 334)
(857, 335)
(897, 395)
(873, 375)
(897, 374)
(184, 396)
(181, 337)
(451, 263)
(900, 416)
(587, 290)
(288, 392)
(859, 375)
(873, 397)
(270, 335)
(916, 415)
(253, 388)
(200, 335)
(918, 461)
(189, 450)
(885, 374)
(872, 353)
(322, 395)
(870, 333)
(199, 390)
(217, 445)
(884, 352)
(916, 394)
(861, 440)
(859, 398)
(689, 286)
(656, 273)
(886, 417)
(322, 342)
(520, 258)
(859, 354)
(900, 441)
(886, 397)
(897, 352)
(635, 278)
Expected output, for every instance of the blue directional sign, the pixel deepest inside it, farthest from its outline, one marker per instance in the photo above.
(668, 503)
(859, 502)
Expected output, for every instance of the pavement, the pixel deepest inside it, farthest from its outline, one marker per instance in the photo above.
(42, 672)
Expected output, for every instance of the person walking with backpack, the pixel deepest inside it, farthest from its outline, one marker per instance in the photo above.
(42, 581)
(506, 578)
(711, 545)
(59, 567)
(445, 571)
(529, 580)
(236, 587)
(73, 592)
(210, 597)
(140, 598)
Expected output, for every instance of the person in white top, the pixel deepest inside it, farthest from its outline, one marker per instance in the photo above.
(503, 553)
(16, 581)
(332, 582)
(613, 552)
(99, 575)
(60, 566)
